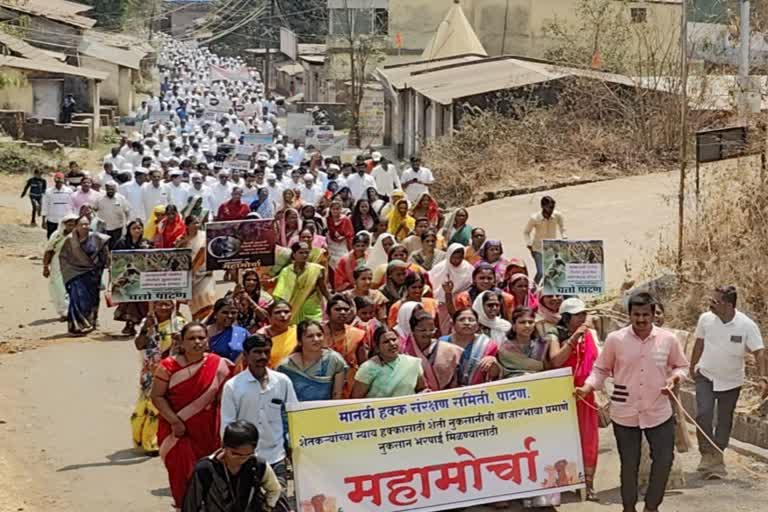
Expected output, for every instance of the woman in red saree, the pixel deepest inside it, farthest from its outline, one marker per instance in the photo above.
(186, 389)
(574, 344)
(170, 229)
(343, 277)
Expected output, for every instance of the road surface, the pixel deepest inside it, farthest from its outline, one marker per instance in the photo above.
(65, 406)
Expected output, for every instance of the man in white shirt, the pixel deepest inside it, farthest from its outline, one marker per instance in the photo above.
(360, 182)
(543, 225)
(115, 158)
(57, 202)
(385, 175)
(131, 191)
(296, 154)
(154, 193)
(199, 189)
(260, 396)
(221, 192)
(310, 193)
(724, 336)
(179, 191)
(416, 180)
(275, 192)
(115, 211)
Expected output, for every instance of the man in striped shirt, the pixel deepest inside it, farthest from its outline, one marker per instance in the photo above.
(646, 363)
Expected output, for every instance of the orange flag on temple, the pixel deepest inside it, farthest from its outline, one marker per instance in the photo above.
(399, 40)
(597, 59)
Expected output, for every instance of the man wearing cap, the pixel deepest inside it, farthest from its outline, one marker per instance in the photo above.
(57, 202)
(360, 182)
(132, 192)
(310, 193)
(416, 180)
(646, 363)
(115, 211)
(179, 191)
(154, 193)
(221, 192)
(385, 175)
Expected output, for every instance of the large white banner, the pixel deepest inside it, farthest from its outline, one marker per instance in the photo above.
(504, 440)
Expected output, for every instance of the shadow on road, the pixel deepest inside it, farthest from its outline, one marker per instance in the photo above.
(162, 492)
(126, 457)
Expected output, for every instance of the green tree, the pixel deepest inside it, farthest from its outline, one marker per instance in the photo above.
(109, 14)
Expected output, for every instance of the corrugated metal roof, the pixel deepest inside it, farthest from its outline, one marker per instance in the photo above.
(51, 67)
(22, 48)
(313, 59)
(58, 10)
(312, 49)
(399, 75)
(446, 84)
(127, 58)
(123, 41)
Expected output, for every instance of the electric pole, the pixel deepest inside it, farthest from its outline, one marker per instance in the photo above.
(683, 134)
(745, 84)
(268, 57)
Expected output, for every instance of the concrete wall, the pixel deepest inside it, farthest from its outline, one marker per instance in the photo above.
(77, 135)
(417, 20)
(110, 88)
(17, 98)
(12, 123)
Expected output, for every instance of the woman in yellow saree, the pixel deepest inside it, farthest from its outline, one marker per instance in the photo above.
(280, 330)
(401, 223)
(303, 285)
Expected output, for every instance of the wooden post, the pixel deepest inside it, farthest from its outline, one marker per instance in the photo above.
(683, 135)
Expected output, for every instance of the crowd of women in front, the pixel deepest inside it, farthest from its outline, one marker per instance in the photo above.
(351, 314)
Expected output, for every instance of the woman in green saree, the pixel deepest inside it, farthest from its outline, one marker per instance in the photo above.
(303, 285)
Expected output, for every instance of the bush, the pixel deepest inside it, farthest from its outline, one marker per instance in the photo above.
(18, 158)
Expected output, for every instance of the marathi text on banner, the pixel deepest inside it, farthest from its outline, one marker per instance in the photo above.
(573, 267)
(240, 244)
(510, 439)
(152, 274)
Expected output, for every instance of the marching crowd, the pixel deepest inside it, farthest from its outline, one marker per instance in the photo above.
(375, 292)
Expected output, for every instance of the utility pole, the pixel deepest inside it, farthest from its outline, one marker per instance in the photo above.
(268, 57)
(745, 85)
(683, 134)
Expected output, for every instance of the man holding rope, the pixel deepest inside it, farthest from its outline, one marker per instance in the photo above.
(724, 336)
(646, 363)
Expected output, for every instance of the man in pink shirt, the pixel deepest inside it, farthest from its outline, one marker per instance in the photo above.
(646, 362)
(84, 195)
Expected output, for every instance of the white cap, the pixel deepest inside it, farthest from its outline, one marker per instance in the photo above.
(224, 172)
(176, 172)
(572, 306)
(308, 177)
(195, 176)
(140, 170)
(376, 156)
(271, 176)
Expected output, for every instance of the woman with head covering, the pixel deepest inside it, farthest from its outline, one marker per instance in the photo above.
(396, 252)
(343, 277)
(483, 279)
(394, 284)
(401, 222)
(340, 234)
(52, 265)
(288, 226)
(454, 274)
(308, 212)
(363, 217)
(155, 342)
(426, 206)
(252, 302)
(150, 229)
(428, 255)
(203, 282)
(548, 314)
(345, 339)
(456, 229)
(262, 205)
(376, 202)
(479, 354)
(303, 285)
(487, 305)
(492, 253)
(170, 229)
(414, 292)
(378, 254)
(439, 359)
(317, 372)
(477, 240)
(388, 373)
(83, 257)
(573, 344)
(132, 313)
(519, 287)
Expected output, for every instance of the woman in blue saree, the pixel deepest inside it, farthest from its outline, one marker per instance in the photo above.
(317, 373)
(225, 337)
(83, 258)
